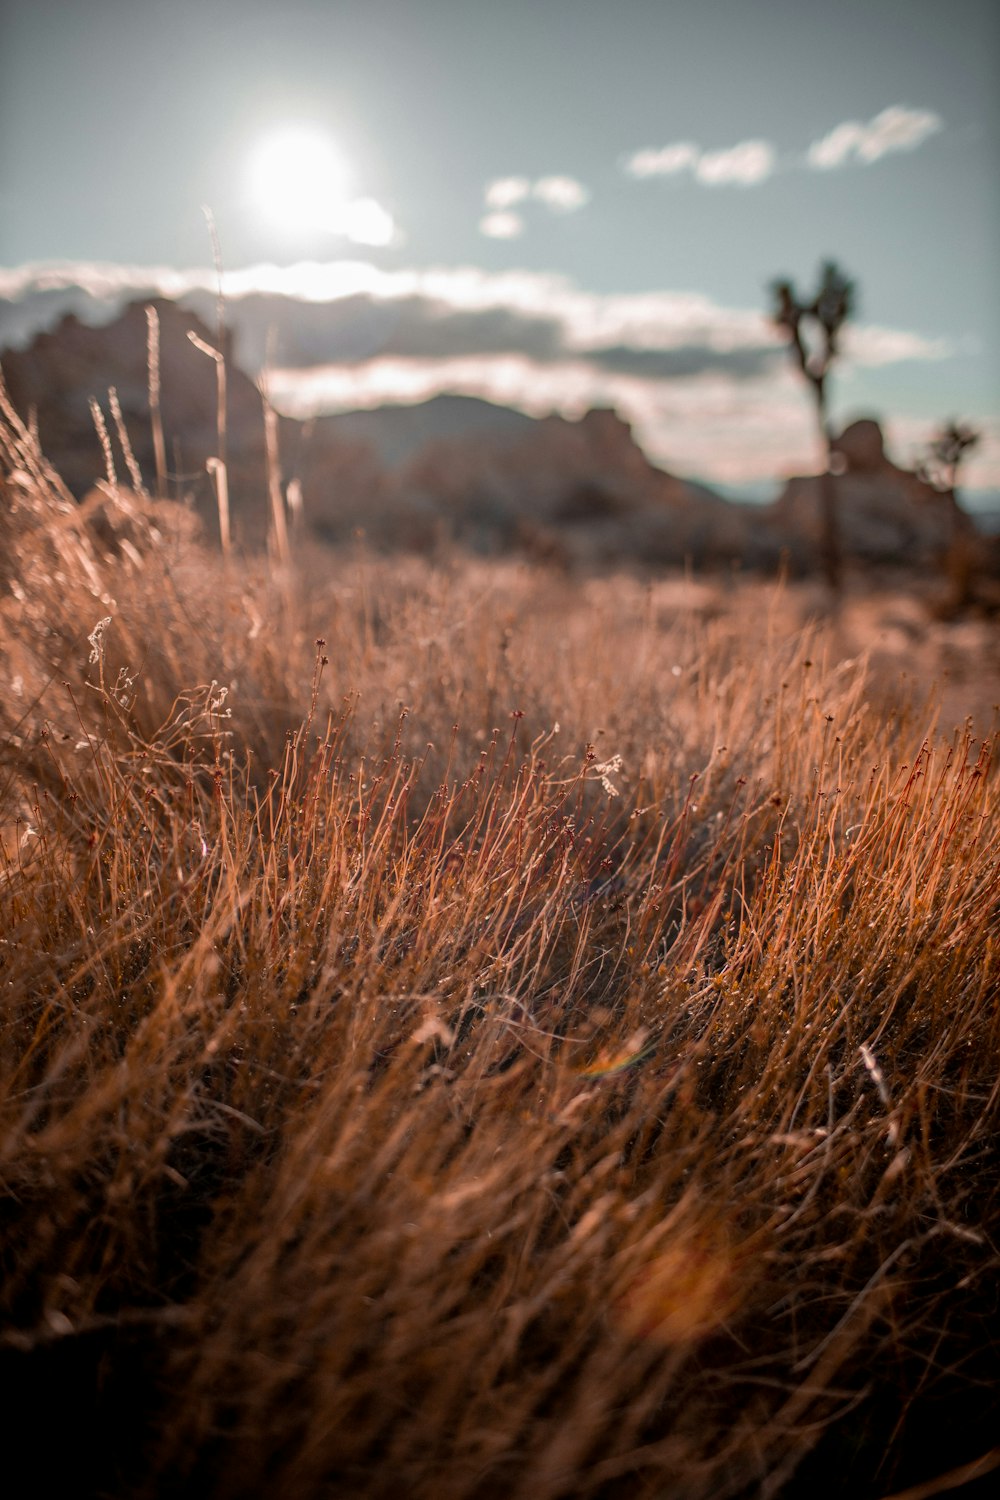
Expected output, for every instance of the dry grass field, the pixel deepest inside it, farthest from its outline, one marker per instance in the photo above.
(469, 1032)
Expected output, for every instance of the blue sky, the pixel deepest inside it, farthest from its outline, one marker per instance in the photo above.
(634, 174)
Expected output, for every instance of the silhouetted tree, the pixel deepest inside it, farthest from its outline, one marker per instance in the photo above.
(946, 451)
(813, 329)
(940, 467)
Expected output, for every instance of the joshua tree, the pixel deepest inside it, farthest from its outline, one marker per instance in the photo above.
(946, 451)
(818, 323)
(940, 467)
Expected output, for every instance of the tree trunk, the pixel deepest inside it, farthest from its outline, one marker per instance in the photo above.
(831, 556)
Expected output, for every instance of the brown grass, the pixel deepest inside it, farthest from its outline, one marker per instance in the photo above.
(473, 1034)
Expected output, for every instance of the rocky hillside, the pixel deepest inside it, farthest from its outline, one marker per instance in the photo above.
(59, 374)
(572, 491)
(453, 467)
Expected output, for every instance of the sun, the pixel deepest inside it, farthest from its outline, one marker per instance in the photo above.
(300, 183)
(299, 179)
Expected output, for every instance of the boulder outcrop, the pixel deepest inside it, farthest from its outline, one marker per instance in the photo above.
(58, 375)
(886, 514)
(577, 491)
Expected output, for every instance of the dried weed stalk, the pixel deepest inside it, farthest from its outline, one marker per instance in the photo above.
(499, 1042)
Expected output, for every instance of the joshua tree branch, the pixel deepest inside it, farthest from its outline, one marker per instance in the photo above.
(829, 309)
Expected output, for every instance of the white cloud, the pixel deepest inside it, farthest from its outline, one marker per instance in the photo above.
(504, 192)
(657, 319)
(561, 194)
(101, 279)
(666, 162)
(750, 162)
(364, 222)
(873, 346)
(895, 129)
(746, 164)
(834, 149)
(502, 225)
(564, 194)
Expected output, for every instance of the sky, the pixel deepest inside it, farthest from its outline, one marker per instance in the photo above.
(553, 204)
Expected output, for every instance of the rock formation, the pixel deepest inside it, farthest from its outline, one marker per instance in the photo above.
(886, 514)
(58, 375)
(577, 491)
(453, 467)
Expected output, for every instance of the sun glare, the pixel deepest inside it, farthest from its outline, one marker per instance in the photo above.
(300, 183)
(299, 179)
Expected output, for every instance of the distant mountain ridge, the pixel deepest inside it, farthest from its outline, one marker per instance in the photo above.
(466, 465)
(488, 476)
(397, 433)
(298, 334)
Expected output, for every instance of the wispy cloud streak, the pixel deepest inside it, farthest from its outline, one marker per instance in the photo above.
(743, 165)
(515, 307)
(668, 161)
(502, 224)
(505, 192)
(895, 129)
(748, 163)
(563, 194)
(559, 193)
